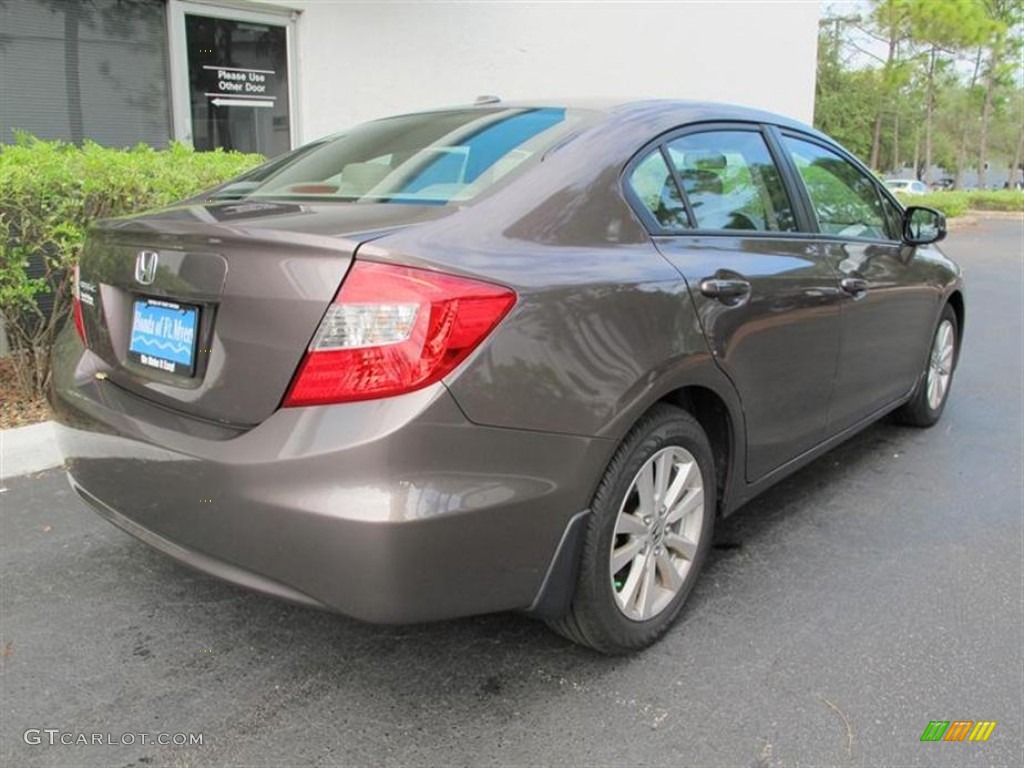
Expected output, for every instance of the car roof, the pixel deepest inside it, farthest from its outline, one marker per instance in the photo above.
(655, 116)
(638, 120)
(655, 112)
(703, 111)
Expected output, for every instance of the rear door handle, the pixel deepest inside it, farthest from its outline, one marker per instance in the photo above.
(724, 290)
(854, 285)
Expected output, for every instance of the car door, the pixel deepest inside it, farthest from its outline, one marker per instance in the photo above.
(766, 298)
(888, 308)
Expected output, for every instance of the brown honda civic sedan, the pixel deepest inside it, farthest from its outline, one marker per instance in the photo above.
(500, 357)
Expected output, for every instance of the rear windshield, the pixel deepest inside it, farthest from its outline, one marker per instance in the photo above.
(430, 158)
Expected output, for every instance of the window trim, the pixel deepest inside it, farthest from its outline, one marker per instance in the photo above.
(660, 143)
(678, 181)
(646, 216)
(801, 188)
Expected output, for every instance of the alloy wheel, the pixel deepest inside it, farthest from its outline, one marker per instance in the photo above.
(656, 533)
(940, 364)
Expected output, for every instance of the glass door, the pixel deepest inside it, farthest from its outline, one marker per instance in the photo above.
(232, 71)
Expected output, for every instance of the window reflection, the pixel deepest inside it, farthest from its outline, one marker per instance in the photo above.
(654, 186)
(845, 200)
(731, 181)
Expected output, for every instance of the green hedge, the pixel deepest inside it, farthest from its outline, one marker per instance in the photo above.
(50, 192)
(957, 203)
(996, 200)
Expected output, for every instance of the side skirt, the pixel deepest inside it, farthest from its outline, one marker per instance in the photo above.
(748, 492)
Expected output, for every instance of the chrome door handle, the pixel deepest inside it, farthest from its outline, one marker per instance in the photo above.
(854, 285)
(724, 290)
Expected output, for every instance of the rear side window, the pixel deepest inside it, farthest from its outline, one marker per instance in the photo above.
(654, 187)
(845, 200)
(731, 181)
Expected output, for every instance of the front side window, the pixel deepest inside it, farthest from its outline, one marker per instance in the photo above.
(432, 158)
(731, 181)
(845, 200)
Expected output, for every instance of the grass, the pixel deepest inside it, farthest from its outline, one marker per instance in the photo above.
(957, 203)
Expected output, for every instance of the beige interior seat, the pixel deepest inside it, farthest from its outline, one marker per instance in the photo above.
(358, 179)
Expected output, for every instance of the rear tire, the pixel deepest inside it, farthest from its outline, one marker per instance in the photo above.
(926, 405)
(650, 528)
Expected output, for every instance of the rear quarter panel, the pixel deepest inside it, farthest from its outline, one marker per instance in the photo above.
(604, 324)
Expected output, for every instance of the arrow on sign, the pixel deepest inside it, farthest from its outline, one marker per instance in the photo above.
(238, 103)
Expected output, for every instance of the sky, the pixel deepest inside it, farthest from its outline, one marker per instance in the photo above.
(866, 51)
(850, 8)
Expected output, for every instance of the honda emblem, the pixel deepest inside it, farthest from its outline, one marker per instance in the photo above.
(145, 266)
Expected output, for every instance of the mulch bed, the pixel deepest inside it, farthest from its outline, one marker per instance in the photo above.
(15, 409)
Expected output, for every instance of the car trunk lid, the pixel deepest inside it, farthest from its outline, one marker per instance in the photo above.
(208, 309)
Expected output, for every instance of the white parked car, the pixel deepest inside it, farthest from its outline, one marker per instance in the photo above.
(906, 186)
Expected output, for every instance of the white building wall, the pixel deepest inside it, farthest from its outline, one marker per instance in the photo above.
(361, 60)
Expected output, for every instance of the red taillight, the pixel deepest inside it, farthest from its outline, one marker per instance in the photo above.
(394, 329)
(76, 308)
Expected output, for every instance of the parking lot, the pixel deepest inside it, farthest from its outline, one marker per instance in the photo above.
(876, 590)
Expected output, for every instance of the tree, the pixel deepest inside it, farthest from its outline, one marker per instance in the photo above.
(943, 29)
(939, 83)
(1004, 17)
(968, 106)
(889, 23)
(845, 99)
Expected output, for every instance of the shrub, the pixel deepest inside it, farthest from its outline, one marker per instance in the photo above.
(957, 202)
(997, 200)
(952, 204)
(50, 192)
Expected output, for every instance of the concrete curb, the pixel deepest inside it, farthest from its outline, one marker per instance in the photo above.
(27, 449)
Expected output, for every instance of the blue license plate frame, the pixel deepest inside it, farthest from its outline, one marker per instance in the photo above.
(164, 335)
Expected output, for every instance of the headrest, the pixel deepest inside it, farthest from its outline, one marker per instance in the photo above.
(697, 182)
(705, 160)
(362, 177)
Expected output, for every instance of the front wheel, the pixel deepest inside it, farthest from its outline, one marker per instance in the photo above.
(650, 528)
(929, 399)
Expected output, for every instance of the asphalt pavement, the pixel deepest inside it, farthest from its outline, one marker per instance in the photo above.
(876, 590)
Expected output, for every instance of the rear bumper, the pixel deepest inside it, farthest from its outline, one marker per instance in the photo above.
(397, 510)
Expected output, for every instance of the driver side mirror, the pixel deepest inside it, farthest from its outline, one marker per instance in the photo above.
(922, 226)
